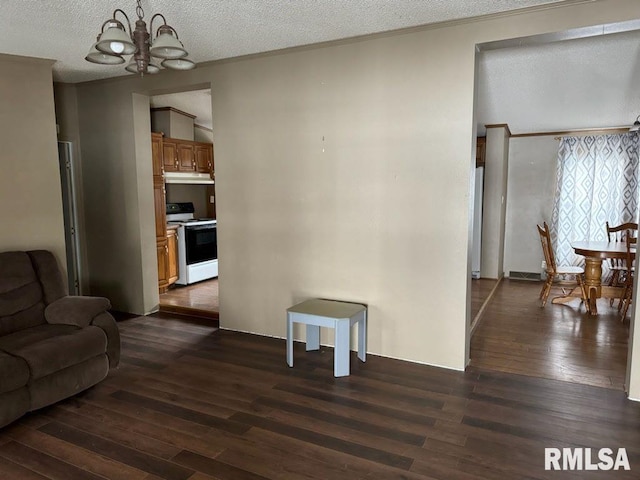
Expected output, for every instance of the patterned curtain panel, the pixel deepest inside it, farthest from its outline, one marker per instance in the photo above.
(597, 181)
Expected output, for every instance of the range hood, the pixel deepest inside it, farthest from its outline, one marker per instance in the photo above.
(188, 178)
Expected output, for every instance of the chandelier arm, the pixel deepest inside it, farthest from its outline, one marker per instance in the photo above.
(174, 31)
(125, 16)
(113, 18)
(151, 22)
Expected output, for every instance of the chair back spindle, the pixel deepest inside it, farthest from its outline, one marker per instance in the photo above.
(547, 250)
(618, 233)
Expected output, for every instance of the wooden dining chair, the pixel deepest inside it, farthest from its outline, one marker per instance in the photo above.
(618, 266)
(553, 271)
(627, 292)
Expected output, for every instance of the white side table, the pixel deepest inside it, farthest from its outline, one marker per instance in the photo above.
(340, 316)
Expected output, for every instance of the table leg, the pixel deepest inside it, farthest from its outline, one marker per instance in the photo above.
(289, 340)
(341, 350)
(313, 337)
(593, 281)
(362, 337)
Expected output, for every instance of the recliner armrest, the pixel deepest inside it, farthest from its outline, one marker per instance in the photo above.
(76, 310)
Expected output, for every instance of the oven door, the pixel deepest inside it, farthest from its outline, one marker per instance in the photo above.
(201, 243)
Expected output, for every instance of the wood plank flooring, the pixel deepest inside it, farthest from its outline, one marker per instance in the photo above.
(192, 402)
(199, 299)
(481, 290)
(561, 342)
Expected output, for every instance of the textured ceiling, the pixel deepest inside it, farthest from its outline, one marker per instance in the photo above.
(574, 84)
(566, 85)
(64, 30)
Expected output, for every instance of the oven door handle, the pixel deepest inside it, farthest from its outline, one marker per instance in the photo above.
(201, 227)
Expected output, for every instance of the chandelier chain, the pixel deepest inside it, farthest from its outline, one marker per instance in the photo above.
(139, 11)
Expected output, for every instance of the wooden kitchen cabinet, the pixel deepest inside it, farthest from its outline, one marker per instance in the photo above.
(163, 265)
(186, 159)
(170, 155)
(167, 250)
(186, 156)
(159, 194)
(159, 204)
(204, 158)
(156, 154)
(172, 255)
(160, 207)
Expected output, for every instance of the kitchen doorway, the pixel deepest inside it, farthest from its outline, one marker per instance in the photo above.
(185, 121)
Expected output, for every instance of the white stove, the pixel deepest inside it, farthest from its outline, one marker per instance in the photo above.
(197, 244)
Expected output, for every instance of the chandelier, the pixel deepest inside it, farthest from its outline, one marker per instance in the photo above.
(147, 54)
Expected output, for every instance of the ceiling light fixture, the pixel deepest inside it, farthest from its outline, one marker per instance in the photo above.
(636, 125)
(115, 41)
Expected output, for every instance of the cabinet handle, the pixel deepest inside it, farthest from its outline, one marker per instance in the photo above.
(166, 249)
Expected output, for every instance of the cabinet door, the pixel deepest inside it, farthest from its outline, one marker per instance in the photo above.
(156, 154)
(186, 160)
(163, 265)
(172, 249)
(169, 156)
(204, 158)
(160, 207)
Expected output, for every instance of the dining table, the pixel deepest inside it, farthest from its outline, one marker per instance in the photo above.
(594, 252)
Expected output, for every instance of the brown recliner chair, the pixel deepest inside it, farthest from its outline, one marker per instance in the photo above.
(52, 345)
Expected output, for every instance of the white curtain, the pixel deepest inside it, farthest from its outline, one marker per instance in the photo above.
(597, 181)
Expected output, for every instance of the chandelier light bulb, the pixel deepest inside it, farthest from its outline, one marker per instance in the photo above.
(117, 47)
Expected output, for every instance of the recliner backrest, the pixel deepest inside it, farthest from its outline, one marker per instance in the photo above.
(29, 281)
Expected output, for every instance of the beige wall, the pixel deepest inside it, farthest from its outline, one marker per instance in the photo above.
(326, 161)
(202, 134)
(633, 360)
(66, 102)
(341, 171)
(144, 203)
(494, 202)
(196, 194)
(531, 187)
(30, 189)
(118, 197)
(172, 124)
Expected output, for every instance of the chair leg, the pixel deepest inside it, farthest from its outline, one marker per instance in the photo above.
(623, 298)
(546, 289)
(613, 282)
(625, 303)
(583, 290)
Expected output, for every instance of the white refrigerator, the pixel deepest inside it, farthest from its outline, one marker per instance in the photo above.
(476, 247)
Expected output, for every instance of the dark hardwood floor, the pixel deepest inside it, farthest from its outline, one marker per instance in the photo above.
(192, 402)
(563, 342)
(481, 291)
